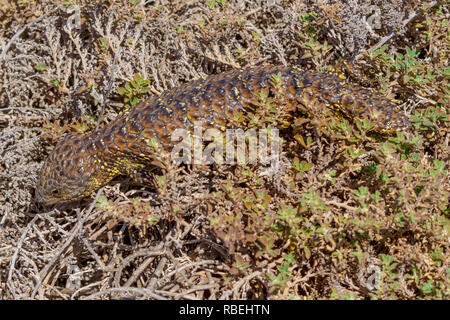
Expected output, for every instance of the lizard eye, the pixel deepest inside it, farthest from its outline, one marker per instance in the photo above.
(55, 192)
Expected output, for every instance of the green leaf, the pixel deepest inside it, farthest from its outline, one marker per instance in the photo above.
(134, 101)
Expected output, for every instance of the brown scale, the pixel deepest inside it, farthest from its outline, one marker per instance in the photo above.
(80, 164)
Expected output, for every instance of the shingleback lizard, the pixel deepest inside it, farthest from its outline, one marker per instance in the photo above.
(82, 163)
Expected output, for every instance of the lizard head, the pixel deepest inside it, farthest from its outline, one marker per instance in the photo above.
(71, 171)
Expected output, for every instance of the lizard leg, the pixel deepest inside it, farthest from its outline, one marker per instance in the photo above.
(144, 177)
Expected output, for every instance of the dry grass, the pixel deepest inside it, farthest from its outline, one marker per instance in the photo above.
(350, 216)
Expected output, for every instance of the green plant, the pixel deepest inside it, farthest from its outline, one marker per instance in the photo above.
(134, 90)
(285, 274)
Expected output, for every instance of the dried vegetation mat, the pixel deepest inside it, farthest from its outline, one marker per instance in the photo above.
(349, 216)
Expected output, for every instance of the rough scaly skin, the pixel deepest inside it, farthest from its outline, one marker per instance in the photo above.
(82, 163)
